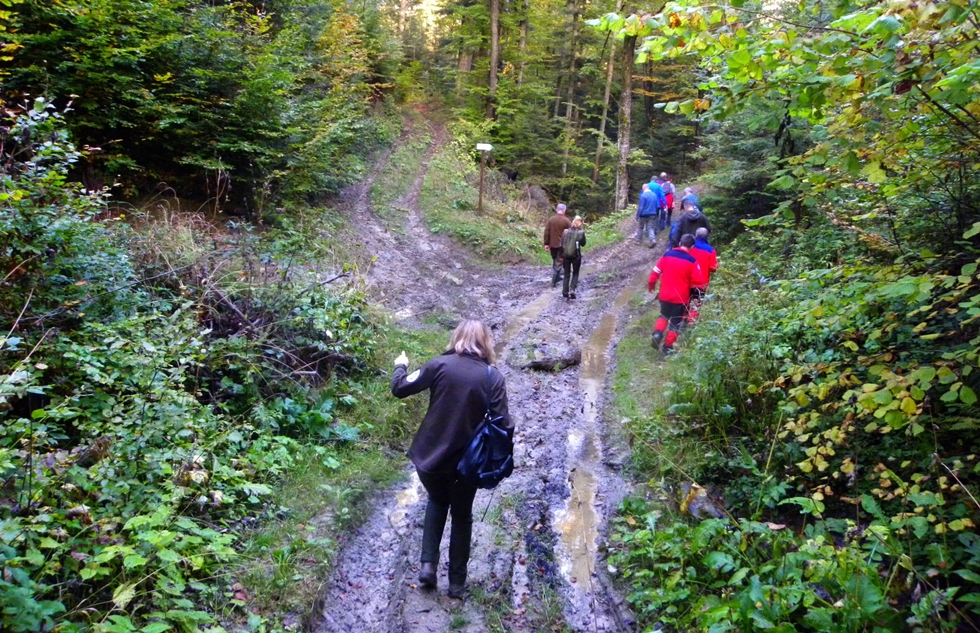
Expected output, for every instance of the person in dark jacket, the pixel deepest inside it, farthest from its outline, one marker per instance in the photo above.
(572, 263)
(678, 273)
(688, 223)
(461, 383)
(553, 231)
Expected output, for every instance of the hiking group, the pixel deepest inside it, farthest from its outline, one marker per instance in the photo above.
(683, 271)
(466, 394)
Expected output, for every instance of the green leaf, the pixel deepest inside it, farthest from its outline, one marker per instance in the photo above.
(968, 575)
(850, 162)
(133, 560)
(48, 543)
(719, 561)
(783, 182)
(883, 396)
(972, 231)
(874, 172)
(124, 594)
(871, 507)
(967, 396)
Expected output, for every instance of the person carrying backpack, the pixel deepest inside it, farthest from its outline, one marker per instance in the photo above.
(572, 241)
(553, 231)
(463, 386)
(666, 183)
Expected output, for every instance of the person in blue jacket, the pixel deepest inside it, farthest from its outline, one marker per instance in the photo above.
(647, 212)
(690, 198)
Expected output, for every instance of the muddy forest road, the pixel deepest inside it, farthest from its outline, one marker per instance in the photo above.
(534, 563)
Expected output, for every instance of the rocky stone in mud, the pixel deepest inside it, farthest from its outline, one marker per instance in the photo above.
(555, 364)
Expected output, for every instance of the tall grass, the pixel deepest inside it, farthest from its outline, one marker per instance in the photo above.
(508, 231)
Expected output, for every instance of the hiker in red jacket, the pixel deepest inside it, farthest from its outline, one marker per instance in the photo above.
(707, 259)
(678, 273)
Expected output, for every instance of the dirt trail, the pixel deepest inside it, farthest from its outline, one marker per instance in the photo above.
(534, 564)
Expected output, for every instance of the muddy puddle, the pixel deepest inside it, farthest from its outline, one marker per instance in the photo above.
(579, 522)
(518, 321)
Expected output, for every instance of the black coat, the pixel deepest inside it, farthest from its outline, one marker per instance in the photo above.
(457, 385)
(690, 222)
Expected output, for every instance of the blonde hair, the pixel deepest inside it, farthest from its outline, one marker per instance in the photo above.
(577, 221)
(472, 337)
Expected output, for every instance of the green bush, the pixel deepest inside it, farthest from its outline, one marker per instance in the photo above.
(152, 392)
(837, 403)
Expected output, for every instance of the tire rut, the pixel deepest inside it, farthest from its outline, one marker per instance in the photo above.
(534, 562)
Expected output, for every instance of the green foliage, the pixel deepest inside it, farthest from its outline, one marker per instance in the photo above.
(236, 104)
(805, 399)
(149, 408)
(55, 256)
(749, 576)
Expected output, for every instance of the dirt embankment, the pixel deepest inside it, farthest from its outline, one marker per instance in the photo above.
(535, 564)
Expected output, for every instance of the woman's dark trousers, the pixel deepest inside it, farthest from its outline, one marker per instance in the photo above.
(570, 264)
(448, 495)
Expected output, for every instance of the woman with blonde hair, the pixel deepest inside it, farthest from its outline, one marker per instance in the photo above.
(573, 239)
(462, 383)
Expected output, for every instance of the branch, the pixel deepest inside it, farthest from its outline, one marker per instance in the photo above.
(324, 283)
(946, 111)
(809, 27)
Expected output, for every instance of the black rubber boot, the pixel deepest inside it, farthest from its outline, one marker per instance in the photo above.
(427, 576)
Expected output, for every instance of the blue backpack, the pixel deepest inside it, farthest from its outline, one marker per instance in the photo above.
(489, 457)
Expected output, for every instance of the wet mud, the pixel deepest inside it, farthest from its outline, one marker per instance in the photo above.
(535, 563)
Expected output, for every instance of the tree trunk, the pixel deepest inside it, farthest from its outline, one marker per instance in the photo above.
(648, 100)
(494, 58)
(605, 102)
(605, 110)
(563, 61)
(523, 42)
(570, 89)
(463, 67)
(402, 17)
(625, 115)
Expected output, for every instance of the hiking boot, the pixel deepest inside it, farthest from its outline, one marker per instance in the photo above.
(564, 295)
(658, 338)
(668, 351)
(571, 295)
(457, 591)
(427, 576)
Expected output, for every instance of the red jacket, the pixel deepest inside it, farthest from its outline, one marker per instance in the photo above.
(707, 259)
(680, 272)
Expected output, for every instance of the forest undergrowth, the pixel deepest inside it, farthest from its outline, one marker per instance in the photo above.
(188, 409)
(796, 479)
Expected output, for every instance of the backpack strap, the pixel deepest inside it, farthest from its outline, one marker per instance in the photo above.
(489, 372)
